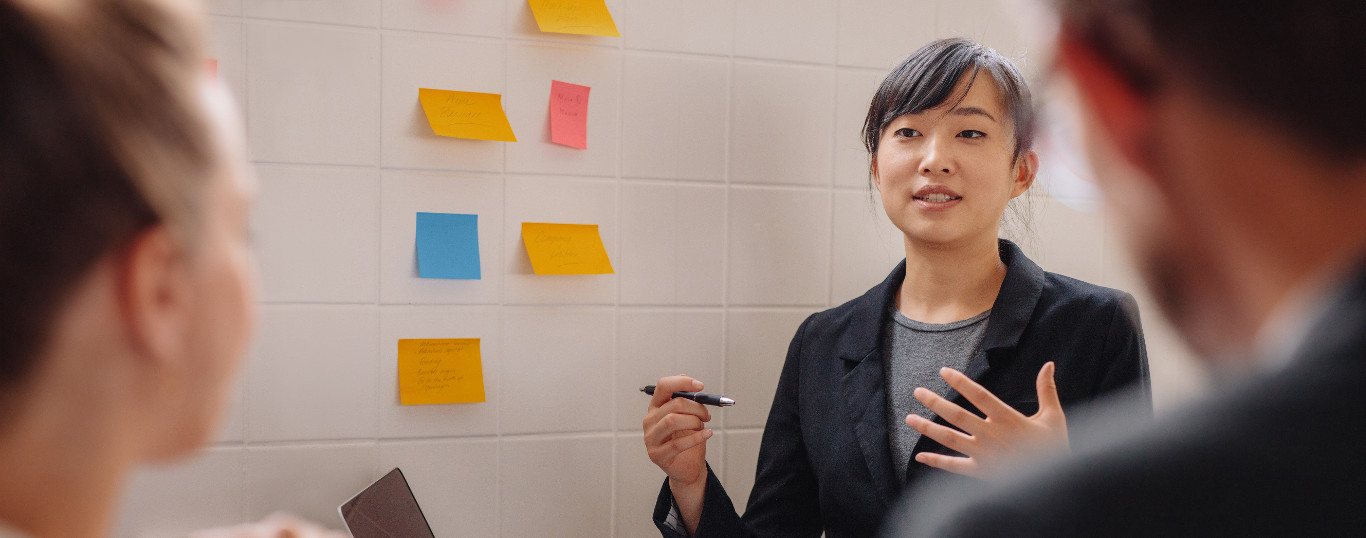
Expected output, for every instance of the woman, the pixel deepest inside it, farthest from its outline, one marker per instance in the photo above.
(125, 273)
(948, 134)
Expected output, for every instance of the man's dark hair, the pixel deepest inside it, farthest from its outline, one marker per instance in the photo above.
(1298, 65)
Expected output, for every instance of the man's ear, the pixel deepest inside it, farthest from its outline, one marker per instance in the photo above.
(1121, 110)
(1026, 169)
(154, 294)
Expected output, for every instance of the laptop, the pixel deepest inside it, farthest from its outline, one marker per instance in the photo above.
(385, 509)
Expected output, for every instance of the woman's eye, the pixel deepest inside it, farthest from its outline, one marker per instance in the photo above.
(972, 134)
(907, 132)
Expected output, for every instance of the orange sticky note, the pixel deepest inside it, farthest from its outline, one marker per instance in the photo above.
(466, 114)
(439, 371)
(565, 249)
(569, 114)
(584, 17)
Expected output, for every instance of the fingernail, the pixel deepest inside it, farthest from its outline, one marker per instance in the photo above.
(696, 385)
(706, 434)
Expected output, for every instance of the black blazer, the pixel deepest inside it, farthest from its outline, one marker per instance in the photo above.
(825, 462)
(1282, 454)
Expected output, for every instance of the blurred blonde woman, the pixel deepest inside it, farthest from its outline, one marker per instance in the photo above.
(125, 272)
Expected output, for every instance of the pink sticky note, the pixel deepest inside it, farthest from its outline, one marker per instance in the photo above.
(569, 114)
(211, 65)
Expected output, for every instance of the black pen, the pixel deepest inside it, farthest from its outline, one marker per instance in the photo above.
(699, 397)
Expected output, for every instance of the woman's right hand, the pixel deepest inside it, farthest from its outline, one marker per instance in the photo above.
(676, 434)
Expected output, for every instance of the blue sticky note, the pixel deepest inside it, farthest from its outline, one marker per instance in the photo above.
(448, 246)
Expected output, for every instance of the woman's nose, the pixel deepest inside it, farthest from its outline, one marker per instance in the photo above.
(937, 160)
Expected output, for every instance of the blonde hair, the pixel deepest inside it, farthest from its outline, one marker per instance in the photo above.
(102, 135)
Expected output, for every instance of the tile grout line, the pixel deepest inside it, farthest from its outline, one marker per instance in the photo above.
(244, 50)
(502, 299)
(616, 309)
(834, 138)
(725, 233)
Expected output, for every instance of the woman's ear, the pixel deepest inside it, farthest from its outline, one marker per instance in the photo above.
(155, 295)
(1026, 168)
(872, 172)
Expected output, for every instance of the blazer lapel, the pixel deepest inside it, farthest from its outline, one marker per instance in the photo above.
(864, 386)
(1010, 315)
(865, 397)
(1011, 312)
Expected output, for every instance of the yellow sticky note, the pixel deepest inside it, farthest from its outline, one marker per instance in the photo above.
(466, 114)
(438, 371)
(584, 17)
(565, 249)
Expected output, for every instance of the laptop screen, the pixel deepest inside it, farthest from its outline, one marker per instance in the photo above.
(386, 508)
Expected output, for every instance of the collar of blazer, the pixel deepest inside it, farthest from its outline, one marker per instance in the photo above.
(863, 386)
(1010, 313)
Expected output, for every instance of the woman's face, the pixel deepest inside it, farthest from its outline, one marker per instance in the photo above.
(221, 269)
(945, 174)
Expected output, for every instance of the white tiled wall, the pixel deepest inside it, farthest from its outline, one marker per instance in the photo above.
(312, 374)
(312, 93)
(175, 500)
(781, 123)
(556, 486)
(316, 233)
(725, 171)
(449, 469)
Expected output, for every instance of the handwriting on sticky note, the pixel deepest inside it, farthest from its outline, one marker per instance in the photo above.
(473, 115)
(439, 371)
(584, 17)
(569, 114)
(448, 246)
(565, 249)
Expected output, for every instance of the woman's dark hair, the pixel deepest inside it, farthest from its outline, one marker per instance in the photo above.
(926, 79)
(101, 136)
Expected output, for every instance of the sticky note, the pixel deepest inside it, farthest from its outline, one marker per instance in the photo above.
(473, 115)
(585, 17)
(565, 249)
(569, 114)
(448, 246)
(438, 371)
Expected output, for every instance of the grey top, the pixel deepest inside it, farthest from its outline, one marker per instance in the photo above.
(915, 352)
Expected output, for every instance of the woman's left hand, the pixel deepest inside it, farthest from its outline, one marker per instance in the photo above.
(1003, 436)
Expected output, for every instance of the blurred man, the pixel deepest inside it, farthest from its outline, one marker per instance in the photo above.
(1229, 139)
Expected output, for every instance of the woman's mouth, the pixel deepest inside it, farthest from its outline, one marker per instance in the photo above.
(938, 198)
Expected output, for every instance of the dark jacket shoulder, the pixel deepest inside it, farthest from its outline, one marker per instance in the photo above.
(1274, 455)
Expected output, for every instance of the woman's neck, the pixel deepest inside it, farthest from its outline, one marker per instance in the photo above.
(65, 460)
(950, 283)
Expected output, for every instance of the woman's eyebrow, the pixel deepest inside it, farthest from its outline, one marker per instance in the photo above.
(972, 111)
